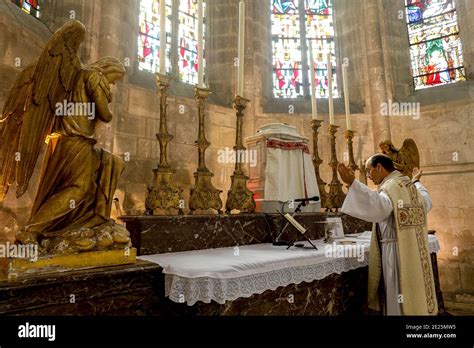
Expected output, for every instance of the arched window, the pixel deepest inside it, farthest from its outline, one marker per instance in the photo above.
(29, 6)
(181, 55)
(435, 45)
(294, 24)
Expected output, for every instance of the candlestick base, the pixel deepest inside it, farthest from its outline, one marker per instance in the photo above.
(164, 194)
(239, 196)
(337, 196)
(204, 195)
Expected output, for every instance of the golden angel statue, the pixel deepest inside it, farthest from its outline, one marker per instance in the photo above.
(404, 159)
(58, 100)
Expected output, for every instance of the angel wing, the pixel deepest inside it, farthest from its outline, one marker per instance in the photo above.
(10, 123)
(409, 156)
(29, 112)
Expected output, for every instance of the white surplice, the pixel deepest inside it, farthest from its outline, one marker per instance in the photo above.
(363, 203)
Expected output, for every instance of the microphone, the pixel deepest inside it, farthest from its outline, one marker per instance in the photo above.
(315, 199)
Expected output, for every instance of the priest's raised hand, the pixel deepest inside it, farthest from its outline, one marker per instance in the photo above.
(346, 173)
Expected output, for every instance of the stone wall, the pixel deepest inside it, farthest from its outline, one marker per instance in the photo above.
(370, 34)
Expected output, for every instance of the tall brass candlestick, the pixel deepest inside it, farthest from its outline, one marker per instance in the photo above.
(349, 134)
(336, 195)
(325, 203)
(164, 194)
(239, 196)
(203, 195)
(362, 172)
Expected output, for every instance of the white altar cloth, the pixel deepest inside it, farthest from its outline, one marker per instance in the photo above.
(225, 274)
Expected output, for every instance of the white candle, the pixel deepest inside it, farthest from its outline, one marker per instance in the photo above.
(346, 97)
(314, 106)
(240, 76)
(200, 46)
(330, 101)
(162, 37)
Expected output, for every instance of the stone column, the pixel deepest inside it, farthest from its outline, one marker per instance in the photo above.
(54, 13)
(221, 39)
(115, 21)
(376, 71)
(256, 21)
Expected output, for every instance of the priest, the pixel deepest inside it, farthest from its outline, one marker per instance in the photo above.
(400, 274)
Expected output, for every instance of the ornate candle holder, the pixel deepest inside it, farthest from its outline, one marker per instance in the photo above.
(336, 195)
(349, 134)
(325, 202)
(239, 196)
(164, 194)
(203, 195)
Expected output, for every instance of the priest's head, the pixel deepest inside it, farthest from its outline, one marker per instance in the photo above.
(378, 166)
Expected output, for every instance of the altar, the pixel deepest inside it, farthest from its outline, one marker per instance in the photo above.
(333, 277)
(210, 265)
(226, 274)
(226, 265)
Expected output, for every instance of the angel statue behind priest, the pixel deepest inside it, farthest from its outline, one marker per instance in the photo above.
(59, 101)
(404, 159)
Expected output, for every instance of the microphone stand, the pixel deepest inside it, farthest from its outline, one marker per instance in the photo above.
(283, 229)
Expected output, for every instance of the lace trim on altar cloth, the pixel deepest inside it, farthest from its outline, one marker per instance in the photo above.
(191, 290)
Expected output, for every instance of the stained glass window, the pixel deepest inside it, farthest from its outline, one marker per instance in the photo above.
(435, 44)
(183, 52)
(188, 41)
(29, 6)
(149, 36)
(320, 30)
(292, 21)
